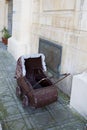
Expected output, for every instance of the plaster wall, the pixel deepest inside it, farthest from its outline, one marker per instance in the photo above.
(78, 95)
(65, 23)
(61, 21)
(19, 43)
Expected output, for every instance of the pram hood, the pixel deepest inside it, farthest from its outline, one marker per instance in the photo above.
(33, 56)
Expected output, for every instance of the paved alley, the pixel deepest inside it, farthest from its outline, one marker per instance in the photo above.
(57, 116)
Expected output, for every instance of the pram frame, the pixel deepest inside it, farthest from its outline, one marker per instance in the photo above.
(35, 97)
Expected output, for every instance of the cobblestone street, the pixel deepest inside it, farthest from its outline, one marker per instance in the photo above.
(57, 116)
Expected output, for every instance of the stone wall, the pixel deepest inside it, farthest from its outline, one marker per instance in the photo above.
(19, 43)
(63, 22)
(3, 15)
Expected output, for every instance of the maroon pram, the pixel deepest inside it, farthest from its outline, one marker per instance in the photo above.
(34, 87)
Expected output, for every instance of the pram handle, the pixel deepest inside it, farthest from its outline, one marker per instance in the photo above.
(41, 81)
(65, 75)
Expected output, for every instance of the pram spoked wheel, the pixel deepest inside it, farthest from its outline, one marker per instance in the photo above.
(25, 101)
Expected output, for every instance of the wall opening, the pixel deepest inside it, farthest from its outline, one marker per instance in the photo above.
(53, 54)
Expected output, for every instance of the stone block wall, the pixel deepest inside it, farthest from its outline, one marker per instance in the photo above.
(63, 22)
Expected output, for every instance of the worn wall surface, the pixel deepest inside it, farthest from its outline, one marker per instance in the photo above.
(19, 43)
(3, 15)
(65, 23)
(61, 21)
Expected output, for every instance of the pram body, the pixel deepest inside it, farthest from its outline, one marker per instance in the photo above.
(34, 87)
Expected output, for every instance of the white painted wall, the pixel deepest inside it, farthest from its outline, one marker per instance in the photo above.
(79, 94)
(65, 23)
(19, 43)
(60, 21)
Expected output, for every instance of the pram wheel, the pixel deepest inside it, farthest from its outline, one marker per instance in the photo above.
(25, 102)
(18, 91)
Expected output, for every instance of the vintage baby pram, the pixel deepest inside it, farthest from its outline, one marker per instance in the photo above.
(34, 87)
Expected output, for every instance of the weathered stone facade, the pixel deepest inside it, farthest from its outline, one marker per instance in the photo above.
(61, 21)
(64, 22)
(19, 43)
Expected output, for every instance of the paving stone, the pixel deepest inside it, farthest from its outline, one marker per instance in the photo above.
(42, 120)
(19, 124)
(56, 116)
